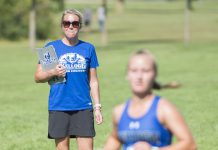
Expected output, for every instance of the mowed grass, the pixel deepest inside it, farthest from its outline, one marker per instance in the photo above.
(157, 26)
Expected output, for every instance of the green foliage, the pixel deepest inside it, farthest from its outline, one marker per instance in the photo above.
(13, 21)
(45, 20)
(15, 18)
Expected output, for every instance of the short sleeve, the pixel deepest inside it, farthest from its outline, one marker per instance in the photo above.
(94, 59)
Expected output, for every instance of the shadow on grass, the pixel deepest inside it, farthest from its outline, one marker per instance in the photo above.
(146, 41)
(155, 11)
(96, 31)
(121, 45)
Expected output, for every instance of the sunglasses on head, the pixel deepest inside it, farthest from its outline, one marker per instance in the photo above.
(75, 24)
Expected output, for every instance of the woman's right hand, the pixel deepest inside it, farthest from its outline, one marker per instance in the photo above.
(59, 71)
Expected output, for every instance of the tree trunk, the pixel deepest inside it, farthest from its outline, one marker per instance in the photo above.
(189, 5)
(32, 25)
(120, 6)
(104, 36)
(62, 5)
(104, 33)
(186, 24)
(104, 4)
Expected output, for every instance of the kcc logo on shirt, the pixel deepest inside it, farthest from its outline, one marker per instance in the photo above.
(73, 62)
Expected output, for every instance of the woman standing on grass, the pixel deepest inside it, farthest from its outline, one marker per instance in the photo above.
(70, 105)
(147, 121)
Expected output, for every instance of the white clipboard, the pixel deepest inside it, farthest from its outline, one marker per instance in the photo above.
(49, 60)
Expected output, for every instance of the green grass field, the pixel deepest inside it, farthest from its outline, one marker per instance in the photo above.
(157, 26)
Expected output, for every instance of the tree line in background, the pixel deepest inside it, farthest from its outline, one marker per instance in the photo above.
(14, 22)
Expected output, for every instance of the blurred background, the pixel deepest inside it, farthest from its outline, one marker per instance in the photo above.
(182, 34)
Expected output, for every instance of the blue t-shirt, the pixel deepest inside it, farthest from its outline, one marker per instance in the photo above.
(74, 94)
(146, 128)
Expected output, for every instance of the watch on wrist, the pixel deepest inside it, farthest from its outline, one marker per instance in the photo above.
(97, 106)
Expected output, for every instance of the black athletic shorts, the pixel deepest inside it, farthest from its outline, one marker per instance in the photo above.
(71, 123)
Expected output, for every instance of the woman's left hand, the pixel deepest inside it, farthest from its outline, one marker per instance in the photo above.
(98, 116)
(141, 146)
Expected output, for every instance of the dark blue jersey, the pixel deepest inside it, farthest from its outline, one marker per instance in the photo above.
(146, 128)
